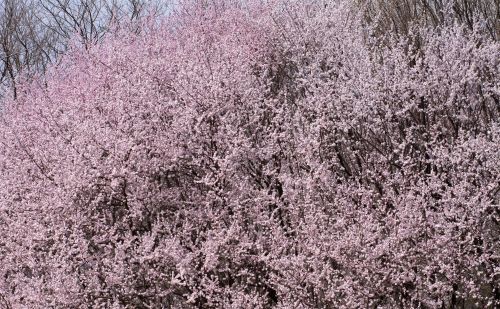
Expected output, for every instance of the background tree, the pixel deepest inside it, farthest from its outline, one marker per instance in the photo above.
(33, 33)
(401, 16)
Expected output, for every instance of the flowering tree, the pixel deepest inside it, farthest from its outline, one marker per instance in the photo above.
(256, 155)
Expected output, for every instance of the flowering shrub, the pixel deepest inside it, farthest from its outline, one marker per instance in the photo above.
(256, 155)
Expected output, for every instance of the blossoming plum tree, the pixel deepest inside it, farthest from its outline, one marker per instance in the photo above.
(256, 155)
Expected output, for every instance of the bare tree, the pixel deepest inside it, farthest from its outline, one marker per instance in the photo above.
(24, 45)
(33, 33)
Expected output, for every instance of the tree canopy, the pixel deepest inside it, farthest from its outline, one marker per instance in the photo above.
(257, 154)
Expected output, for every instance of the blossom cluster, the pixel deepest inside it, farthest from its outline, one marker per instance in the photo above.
(256, 154)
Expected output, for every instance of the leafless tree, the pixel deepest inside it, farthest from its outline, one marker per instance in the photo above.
(33, 33)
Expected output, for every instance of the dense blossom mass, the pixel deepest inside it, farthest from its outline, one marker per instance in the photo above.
(257, 154)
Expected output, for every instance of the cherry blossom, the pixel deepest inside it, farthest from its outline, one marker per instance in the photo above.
(256, 154)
